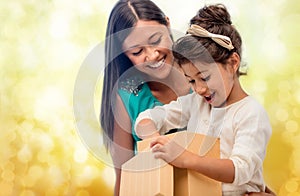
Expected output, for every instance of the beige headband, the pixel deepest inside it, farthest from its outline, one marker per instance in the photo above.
(222, 40)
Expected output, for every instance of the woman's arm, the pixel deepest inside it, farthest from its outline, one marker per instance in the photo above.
(122, 146)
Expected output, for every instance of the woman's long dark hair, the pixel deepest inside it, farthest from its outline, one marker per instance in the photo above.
(122, 18)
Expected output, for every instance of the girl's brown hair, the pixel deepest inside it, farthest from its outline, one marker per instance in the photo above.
(215, 19)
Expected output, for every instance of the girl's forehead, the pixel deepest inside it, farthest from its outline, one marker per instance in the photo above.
(192, 69)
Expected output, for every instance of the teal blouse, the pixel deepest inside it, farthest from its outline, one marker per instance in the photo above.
(136, 101)
(137, 97)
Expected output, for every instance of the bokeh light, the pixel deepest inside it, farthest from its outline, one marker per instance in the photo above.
(43, 44)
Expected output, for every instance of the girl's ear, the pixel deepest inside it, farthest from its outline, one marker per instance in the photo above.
(234, 62)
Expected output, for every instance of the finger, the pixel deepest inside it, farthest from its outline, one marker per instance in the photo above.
(256, 193)
(160, 155)
(156, 147)
(161, 140)
(153, 143)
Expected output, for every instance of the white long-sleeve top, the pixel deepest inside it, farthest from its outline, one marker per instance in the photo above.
(243, 127)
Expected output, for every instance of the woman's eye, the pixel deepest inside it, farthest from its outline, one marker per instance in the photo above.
(137, 53)
(156, 42)
(205, 79)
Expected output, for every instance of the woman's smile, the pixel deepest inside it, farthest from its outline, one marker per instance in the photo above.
(158, 64)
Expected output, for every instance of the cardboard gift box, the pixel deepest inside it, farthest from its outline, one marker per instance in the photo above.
(143, 175)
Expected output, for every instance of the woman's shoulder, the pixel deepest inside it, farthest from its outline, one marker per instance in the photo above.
(132, 85)
(136, 96)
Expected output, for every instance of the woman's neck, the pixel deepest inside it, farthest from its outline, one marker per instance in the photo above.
(170, 88)
(162, 92)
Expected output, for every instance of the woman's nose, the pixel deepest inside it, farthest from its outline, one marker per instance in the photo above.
(152, 54)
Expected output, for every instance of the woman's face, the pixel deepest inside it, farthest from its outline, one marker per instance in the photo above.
(148, 47)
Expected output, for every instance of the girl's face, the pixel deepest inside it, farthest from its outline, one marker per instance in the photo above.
(148, 47)
(212, 81)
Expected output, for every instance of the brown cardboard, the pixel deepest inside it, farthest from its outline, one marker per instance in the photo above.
(143, 175)
(166, 180)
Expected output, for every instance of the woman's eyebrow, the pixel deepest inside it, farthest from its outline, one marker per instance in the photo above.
(138, 45)
(134, 46)
(153, 35)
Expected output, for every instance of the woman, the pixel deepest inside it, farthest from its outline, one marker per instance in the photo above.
(139, 74)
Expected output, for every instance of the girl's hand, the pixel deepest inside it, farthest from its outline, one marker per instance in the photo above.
(268, 192)
(259, 194)
(170, 151)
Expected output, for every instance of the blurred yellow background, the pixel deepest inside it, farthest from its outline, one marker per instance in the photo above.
(43, 46)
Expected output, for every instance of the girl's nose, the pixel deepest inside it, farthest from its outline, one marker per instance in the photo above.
(201, 89)
(152, 54)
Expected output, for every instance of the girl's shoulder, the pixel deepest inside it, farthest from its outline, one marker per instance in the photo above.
(249, 102)
(248, 106)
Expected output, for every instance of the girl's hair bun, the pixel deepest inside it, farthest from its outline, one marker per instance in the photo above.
(216, 14)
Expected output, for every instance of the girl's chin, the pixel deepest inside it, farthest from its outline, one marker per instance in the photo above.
(218, 104)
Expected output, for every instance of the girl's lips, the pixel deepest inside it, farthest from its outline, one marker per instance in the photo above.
(209, 98)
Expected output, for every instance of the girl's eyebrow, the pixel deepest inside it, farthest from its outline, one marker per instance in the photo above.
(200, 72)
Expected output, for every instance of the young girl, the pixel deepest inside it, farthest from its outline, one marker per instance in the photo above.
(209, 56)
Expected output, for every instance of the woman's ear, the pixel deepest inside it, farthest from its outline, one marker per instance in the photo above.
(168, 21)
(169, 29)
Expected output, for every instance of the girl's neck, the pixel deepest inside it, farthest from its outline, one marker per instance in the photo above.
(237, 93)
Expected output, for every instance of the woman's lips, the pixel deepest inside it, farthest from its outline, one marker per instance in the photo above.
(158, 64)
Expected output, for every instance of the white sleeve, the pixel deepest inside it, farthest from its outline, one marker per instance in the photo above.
(173, 115)
(253, 131)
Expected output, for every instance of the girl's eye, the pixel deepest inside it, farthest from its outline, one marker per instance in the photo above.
(205, 79)
(192, 81)
(137, 53)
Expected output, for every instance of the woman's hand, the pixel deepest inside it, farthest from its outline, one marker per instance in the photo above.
(170, 151)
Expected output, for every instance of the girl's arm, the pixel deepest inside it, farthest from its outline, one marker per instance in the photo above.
(159, 120)
(122, 146)
(218, 169)
(146, 129)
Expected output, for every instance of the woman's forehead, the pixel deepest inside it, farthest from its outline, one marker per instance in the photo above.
(142, 32)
